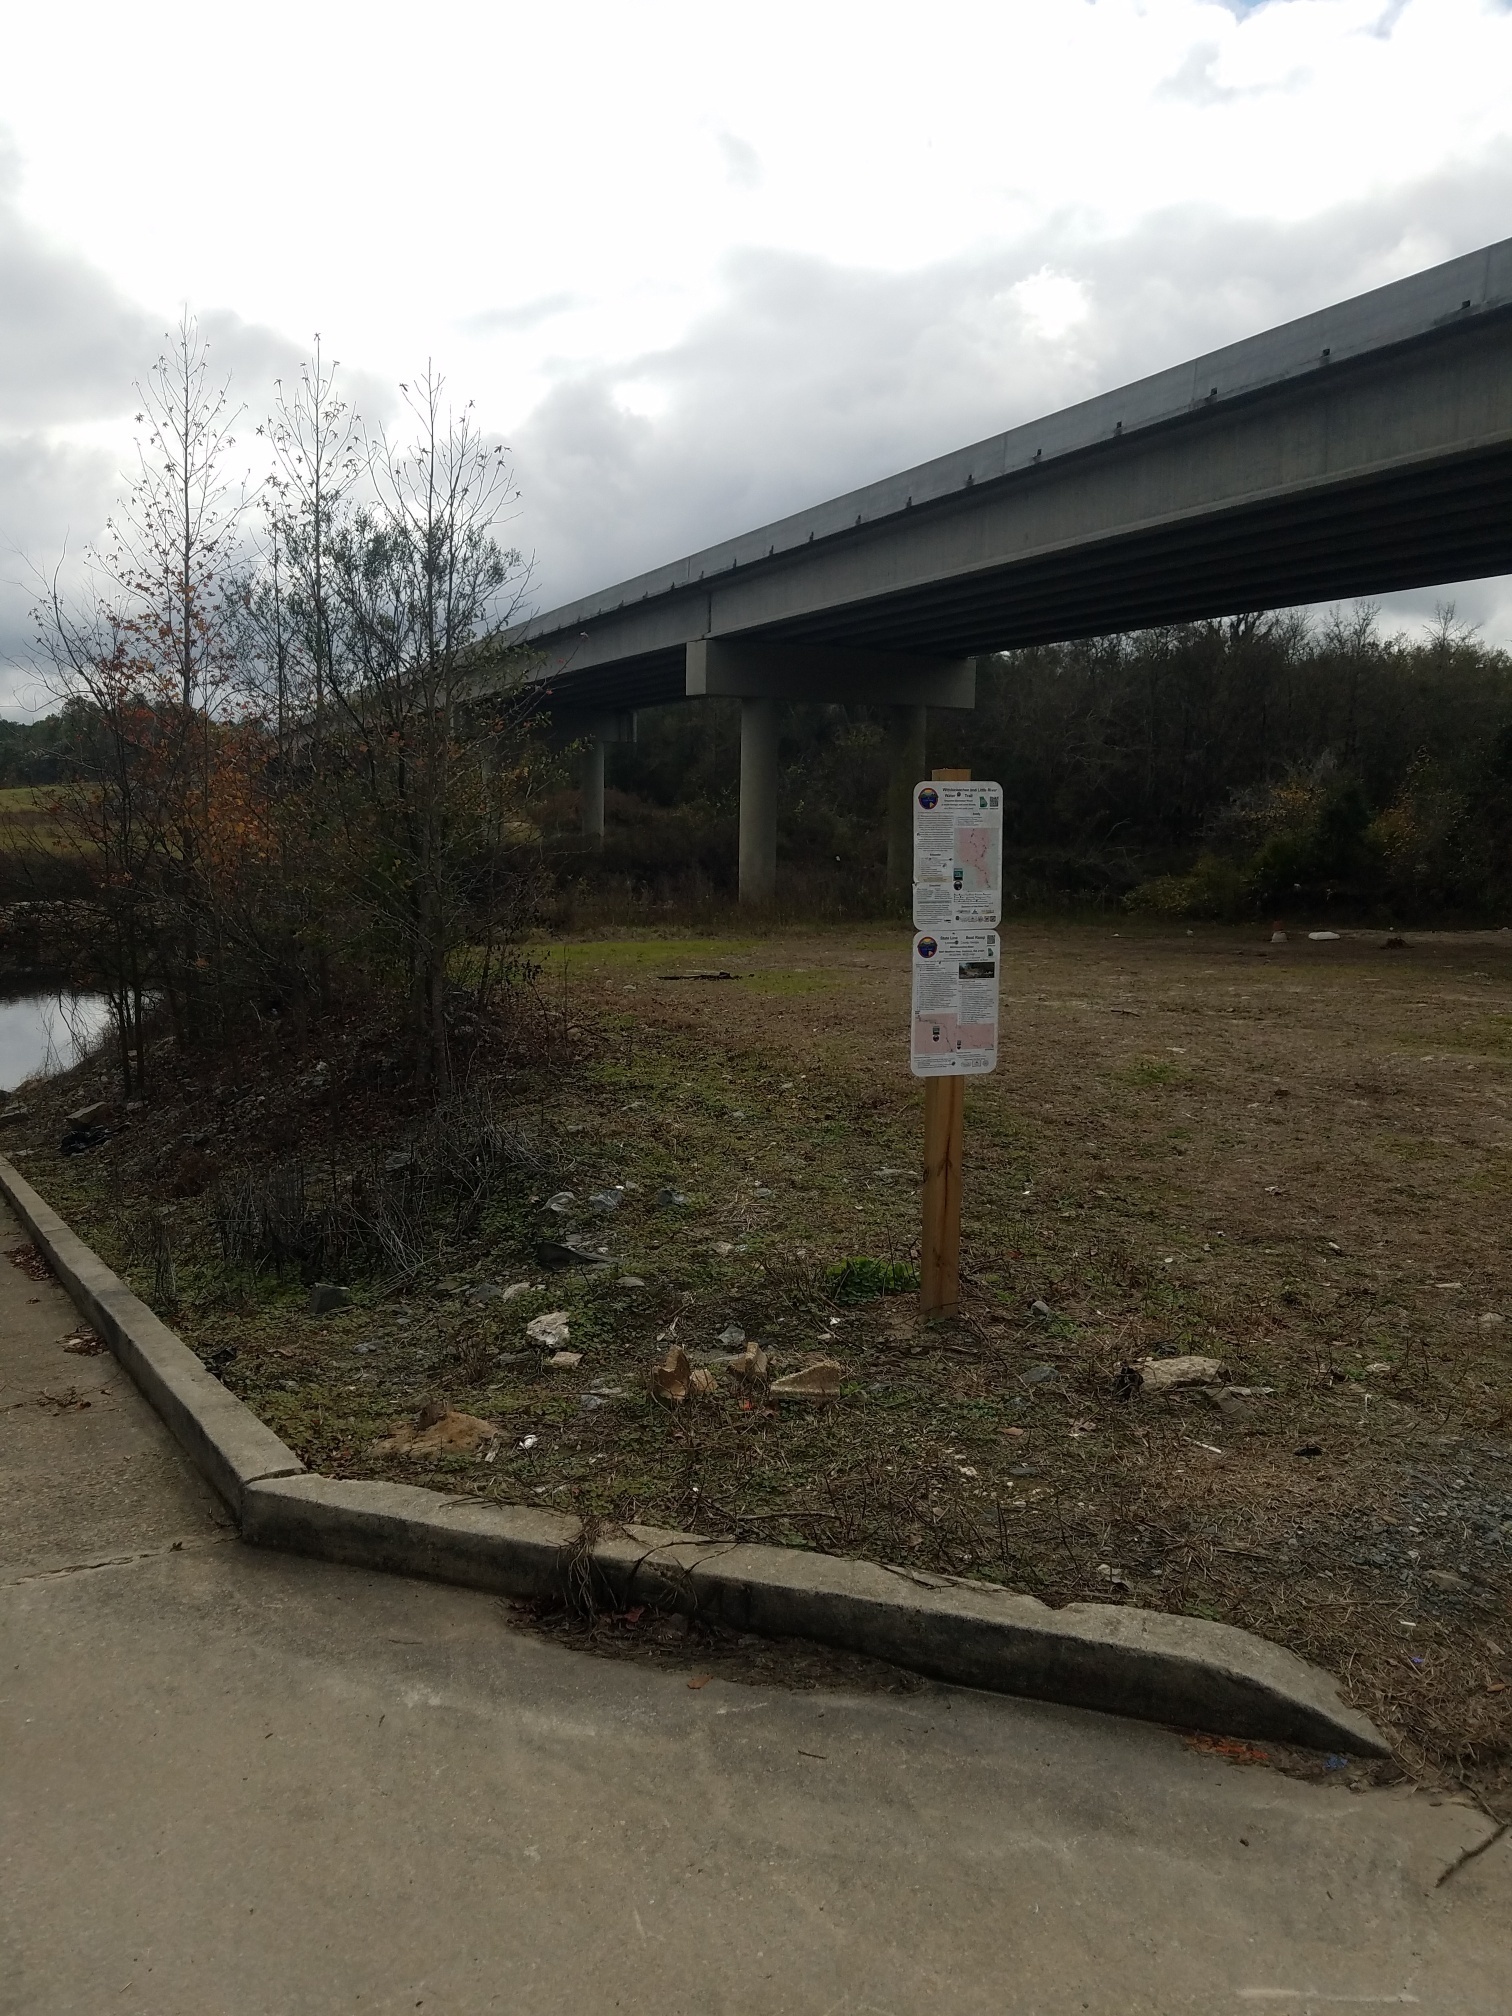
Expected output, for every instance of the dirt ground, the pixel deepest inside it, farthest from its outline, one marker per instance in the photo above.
(1296, 1159)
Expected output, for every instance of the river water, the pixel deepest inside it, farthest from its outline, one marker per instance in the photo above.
(47, 1030)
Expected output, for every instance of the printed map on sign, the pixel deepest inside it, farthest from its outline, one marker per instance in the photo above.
(955, 1003)
(958, 854)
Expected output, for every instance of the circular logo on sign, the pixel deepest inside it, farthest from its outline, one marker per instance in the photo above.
(929, 798)
(927, 948)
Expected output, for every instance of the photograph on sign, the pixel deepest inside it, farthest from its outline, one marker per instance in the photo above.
(955, 1004)
(958, 854)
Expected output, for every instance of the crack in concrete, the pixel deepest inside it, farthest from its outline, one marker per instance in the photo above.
(117, 1560)
(1469, 1854)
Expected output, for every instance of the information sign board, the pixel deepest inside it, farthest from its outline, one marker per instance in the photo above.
(955, 1004)
(958, 854)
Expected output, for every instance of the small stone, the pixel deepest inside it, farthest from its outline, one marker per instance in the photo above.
(702, 1383)
(631, 1281)
(1226, 1401)
(515, 1288)
(1164, 1375)
(1492, 1320)
(1041, 1309)
(484, 1291)
(564, 1361)
(87, 1116)
(1445, 1578)
(548, 1332)
(1037, 1375)
(732, 1337)
(818, 1381)
(399, 1161)
(326, 1296)
(723, 1247)
(751, 1365)
(1323, 937)
(15, 1111)
(567, 1253)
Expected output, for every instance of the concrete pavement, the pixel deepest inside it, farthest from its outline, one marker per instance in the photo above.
(235, 1783)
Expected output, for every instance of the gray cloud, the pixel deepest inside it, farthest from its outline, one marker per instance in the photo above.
(809, 378)
(72, 348)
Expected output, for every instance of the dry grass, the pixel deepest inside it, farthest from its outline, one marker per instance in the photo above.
(1296, 1159)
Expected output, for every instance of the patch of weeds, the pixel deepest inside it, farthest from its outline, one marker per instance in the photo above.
(1149, 1071)
(860, 1279)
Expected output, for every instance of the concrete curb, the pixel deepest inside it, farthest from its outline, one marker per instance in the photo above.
(1111, 1657)
(222, 1438)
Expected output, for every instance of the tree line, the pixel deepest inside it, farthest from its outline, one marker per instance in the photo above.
(1207, 769)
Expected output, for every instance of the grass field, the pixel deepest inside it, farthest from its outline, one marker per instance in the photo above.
(1297, 1159)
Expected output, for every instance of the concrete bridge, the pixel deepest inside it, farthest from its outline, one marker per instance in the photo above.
(1360, 450)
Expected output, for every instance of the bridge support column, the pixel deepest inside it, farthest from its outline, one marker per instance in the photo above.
(906, 746)
(591, 779)
(758, 801)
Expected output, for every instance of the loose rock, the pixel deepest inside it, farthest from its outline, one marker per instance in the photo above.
(548, 1332)
(819, 1381)
(326, 1296)
(1164, 1375)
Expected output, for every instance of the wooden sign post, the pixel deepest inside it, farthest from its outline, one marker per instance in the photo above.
(940, 1244)
(957, 892)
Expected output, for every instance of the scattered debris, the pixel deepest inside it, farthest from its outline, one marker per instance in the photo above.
(326, 1296)
(567, 1253)
(561, 1203)
(668, 1199)
(15, 1111)
(1164, 1375)
(817, 1381)
(605, 1201)
(79, 1140)
(670, 1379)
(84, 1345)
(1309, 1449)
(751, 1365)
(548, 1332)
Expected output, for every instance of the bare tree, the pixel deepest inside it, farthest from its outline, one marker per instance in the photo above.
(425, 591)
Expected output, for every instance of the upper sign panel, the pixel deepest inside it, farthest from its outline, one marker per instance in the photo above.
(958, 855)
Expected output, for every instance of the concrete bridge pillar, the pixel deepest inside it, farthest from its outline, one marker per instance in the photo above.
(758, 800)
(761, 675)
(591, 780)
(907, 743)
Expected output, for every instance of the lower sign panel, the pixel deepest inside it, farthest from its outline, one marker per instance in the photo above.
(955, 1004)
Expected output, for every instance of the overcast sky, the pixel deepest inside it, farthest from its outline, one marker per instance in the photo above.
(703, 264)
